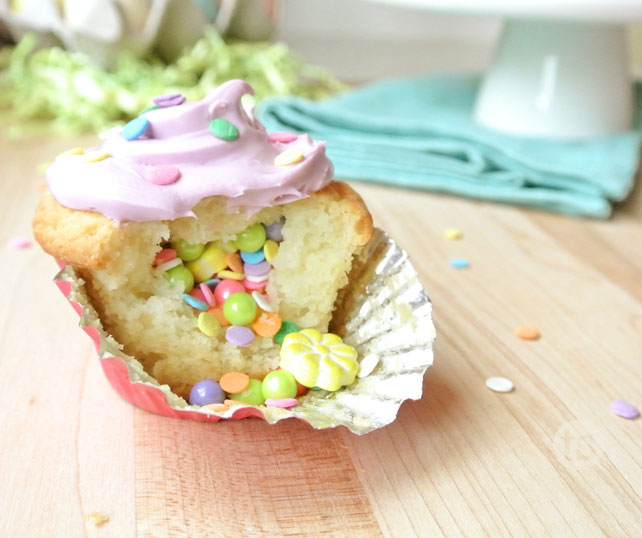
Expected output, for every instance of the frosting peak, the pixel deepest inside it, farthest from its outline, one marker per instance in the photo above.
(232, 157)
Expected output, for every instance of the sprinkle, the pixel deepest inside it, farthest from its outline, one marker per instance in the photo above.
(287, 327)
(18, 243)
(270, 250)
(232, 403)
(499, 384)
(526, 332)
(258, 279)
(257, 269)
(234, 382)
(459, 263)
(207, 293)
(164, 255)
(97, 519)
(152, 107)
(170, 99)
(194, 302)
(275, 230)
(170, 264)
(233, 261)
(624, 409)
(212, 282)
(215, 407)
(253, 257)
(233, 275)
(161, 175)
(70, 152)
(258, 286)
(285, 403)
(452, 233)
(217, 312)
(94, 156)
(282, 136)
(208, 324)
(287, 157)
(135, 128)
(239, 336)
(262, 302)
(368, 364)
(267, 324)
(223, 129)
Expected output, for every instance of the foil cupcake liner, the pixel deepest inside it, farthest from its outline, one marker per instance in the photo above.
(384, 310)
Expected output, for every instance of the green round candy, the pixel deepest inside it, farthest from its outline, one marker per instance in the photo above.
(287, 327)
(252, 395)
(240, 309)
(252, 238)
(279, 384)
(180, 276)
(188, 251)
(221, 128)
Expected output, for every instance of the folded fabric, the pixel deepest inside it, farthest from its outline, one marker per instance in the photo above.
(419, 133)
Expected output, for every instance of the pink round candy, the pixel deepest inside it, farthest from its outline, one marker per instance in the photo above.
(282, 402)
(282, 136)
(198, 294)
(162, 175)
(239, 336)
(225, 288)
(207, 293)
(253, 285)
(624, 409)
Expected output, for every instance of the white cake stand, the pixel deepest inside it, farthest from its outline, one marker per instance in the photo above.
(560, 68)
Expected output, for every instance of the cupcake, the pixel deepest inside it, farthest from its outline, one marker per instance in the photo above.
(222, 273)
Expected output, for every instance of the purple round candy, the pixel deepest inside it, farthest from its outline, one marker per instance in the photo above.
(206, 392)
(257, 269)
(170, 99)
(274, 231)
(239, 336)
(624, 409)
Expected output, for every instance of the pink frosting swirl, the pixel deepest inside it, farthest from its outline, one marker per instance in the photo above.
(242, 170)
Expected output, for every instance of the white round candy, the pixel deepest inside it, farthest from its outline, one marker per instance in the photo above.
(500, 384)
(368, 364)
(262, 302)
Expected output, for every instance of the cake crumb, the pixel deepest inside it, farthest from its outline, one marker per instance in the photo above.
(97, 519)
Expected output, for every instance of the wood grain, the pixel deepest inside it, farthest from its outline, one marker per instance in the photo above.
(546, 459)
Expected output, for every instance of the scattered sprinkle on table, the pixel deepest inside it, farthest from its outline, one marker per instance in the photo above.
(97, 519)
(624, 409)
(526, 332)
(459, 263)
(499, 384)
(452, 233)
(18, 243)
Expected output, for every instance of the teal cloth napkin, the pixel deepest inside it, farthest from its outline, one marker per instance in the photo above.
(419, 133)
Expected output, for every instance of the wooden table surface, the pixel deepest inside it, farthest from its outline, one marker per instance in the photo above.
(548, 459)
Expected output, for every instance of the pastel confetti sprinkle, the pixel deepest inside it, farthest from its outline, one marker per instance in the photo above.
(459, 263)
(287, 157)
(70, 152)
(624, 409)
(170, 99)
(525, 332)
(135, 128)
(452, 234)
(262, 302)
(285, 403)
(194, 302)
(239, 336)
(94, 156)
(499, 384)
(368, 364)
(162, 175)
(18, 243)
(282, 136)
(223, 129)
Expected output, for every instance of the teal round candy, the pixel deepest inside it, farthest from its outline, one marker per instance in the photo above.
(188, 251)
(252, 395)
(180, 276)
(221, 128)
(135, 128)
(239, 309)
(252, 238)
(287, 327)
(279, 384)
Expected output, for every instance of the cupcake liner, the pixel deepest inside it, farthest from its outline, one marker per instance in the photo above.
(383, 310)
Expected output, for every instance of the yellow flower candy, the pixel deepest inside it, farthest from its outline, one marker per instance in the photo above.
(319, 360)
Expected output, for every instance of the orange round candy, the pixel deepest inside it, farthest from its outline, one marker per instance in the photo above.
(234, 262)
(234, 382)
(527, 333)
(217, 312)
(267, 324)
